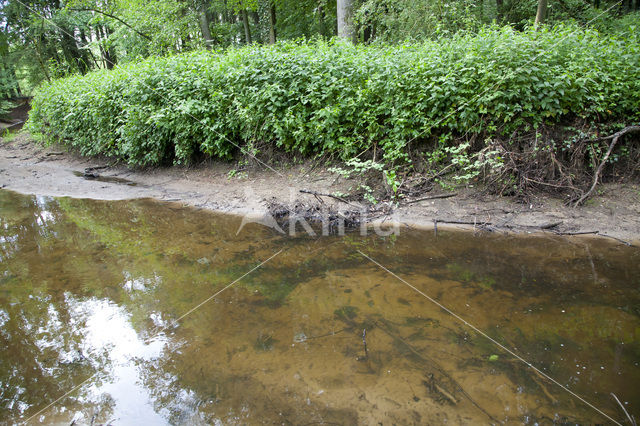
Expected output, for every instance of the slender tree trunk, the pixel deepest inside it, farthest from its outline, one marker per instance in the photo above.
(107, 53)
(542, 12)
(111, 51)
(245, 23)
(205, 27)
(345, 27)
(272, 22)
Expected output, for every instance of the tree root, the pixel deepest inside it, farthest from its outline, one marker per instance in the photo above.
(614, 140)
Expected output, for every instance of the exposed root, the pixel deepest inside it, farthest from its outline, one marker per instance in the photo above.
(614, 140)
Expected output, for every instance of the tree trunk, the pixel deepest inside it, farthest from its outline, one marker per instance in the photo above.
(272, 22)
(108, 54)
(345, 27)
(245, 23)
(542, 12)
(205, 27)
(111, 50)
(87, 41)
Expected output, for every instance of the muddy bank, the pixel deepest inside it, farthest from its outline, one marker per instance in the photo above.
(28, 168)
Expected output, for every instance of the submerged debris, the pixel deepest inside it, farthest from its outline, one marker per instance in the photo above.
(312, 217)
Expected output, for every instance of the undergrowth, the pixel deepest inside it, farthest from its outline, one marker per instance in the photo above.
(481, 105)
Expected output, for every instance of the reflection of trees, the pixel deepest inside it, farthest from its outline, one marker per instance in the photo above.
(40, 355)
(40, 340)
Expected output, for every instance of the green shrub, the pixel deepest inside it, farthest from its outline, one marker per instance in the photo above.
(335, 97)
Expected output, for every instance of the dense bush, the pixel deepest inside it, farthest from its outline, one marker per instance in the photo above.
(335, 97)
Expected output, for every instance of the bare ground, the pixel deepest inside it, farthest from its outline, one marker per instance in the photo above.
(614, 212)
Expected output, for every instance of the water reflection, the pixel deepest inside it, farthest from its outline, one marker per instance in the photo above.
(89, 292)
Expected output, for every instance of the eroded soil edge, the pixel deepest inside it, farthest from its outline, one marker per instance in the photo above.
(28, 168)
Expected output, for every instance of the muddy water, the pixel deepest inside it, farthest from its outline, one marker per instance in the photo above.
(97, 322)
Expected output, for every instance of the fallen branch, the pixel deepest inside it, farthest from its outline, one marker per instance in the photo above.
(433, 197)
(626, 243)
(614, 140)
(464, 222)
(576, 233)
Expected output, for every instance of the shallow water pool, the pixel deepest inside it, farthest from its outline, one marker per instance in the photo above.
(139, 312)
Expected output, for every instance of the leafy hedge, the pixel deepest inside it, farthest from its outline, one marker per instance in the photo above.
(336, 97)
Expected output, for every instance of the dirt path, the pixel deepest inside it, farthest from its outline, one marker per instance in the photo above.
(28, 168)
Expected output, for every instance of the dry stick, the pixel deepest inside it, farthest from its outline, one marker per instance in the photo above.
(615, 138)
(463, 222)
(433, 197)
(576, 233)
(626, 243)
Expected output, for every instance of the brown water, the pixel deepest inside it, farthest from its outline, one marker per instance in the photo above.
(90, 291)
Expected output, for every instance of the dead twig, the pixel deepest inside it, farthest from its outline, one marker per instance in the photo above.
(576, 233)
(320, 194)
